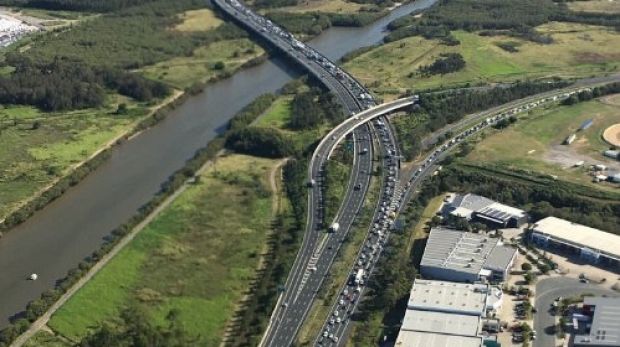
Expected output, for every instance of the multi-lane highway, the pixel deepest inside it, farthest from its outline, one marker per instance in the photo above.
(318, 248)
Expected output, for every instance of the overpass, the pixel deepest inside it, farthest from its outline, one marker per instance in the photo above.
(318, 249)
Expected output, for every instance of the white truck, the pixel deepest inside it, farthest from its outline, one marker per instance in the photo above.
(359, 276)
(334, 227)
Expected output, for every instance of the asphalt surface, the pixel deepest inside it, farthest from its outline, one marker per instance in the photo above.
(547, 290)
(66, 231)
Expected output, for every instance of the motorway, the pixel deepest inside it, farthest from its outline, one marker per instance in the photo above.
(319, 249)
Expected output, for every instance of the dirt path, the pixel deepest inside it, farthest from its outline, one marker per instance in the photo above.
(275, 180)
(41, 322)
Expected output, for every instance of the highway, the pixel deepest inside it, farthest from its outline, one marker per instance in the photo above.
(318, 248)
(335, 331)
(371, 134)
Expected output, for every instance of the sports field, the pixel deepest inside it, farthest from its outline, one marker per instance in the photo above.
(534, 143)
(199, 256)
(578, 50)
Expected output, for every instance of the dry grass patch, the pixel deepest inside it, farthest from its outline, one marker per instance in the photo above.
(198, 20)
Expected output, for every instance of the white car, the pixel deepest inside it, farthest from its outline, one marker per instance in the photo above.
(33, 277)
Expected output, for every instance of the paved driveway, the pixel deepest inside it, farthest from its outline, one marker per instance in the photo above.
(546, 291)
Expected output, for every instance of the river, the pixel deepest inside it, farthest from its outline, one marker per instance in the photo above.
(58, 237)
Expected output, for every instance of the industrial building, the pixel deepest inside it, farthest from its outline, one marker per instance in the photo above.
(602, 326)
(443, 314)
(458, 256)
(478, 208)
(592, 245)
(448, 297)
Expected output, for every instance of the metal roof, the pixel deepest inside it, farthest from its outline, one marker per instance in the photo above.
(441, 296)
(441, 322)
(423, 339)
(605, 328)
(457, 250)
(579, 235)
(465, 205)
(500, 258)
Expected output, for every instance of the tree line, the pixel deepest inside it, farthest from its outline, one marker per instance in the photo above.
(586, 95)
(76, 5)
(493, 17)
(435, 110)
(64, 84)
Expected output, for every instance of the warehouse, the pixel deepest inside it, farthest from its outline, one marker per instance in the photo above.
(602, 329)
(589, 244)
(443, 314)
(421, 339)
(448, 297)
(458, 256)
(478, 208)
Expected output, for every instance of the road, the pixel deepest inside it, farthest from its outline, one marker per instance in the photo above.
(318, 249)
(547, 290)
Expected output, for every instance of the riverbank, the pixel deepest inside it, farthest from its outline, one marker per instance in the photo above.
(71, 227)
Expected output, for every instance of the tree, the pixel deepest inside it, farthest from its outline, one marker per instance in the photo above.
(133, 328)
(526, 266)
(121, 109)
(306, 113)
(529, 277)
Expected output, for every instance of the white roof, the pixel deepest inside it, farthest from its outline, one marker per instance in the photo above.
(580, 235)
(421, 339)
(444, 296)
(439, 322)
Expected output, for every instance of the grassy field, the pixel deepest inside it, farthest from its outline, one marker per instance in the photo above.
(535, 143)
(36, 147)
(601, 6)
(182, 72)
(331, 6)
(198, 20)
(278, 116)
(578, 50)
(198, 256)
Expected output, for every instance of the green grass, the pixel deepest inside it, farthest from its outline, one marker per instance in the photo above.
(578, 50)
(45, 338)
(278, 115)
(198, 256)
(182, 72)
(526, 144)
(31, 158)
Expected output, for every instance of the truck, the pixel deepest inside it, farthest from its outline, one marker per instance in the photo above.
(334, 227)
(359, 276)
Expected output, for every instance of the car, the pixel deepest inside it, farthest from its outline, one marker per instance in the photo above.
(338, 320)
(33, 277)
(285, 304)
(325, 333)
(584, 280)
